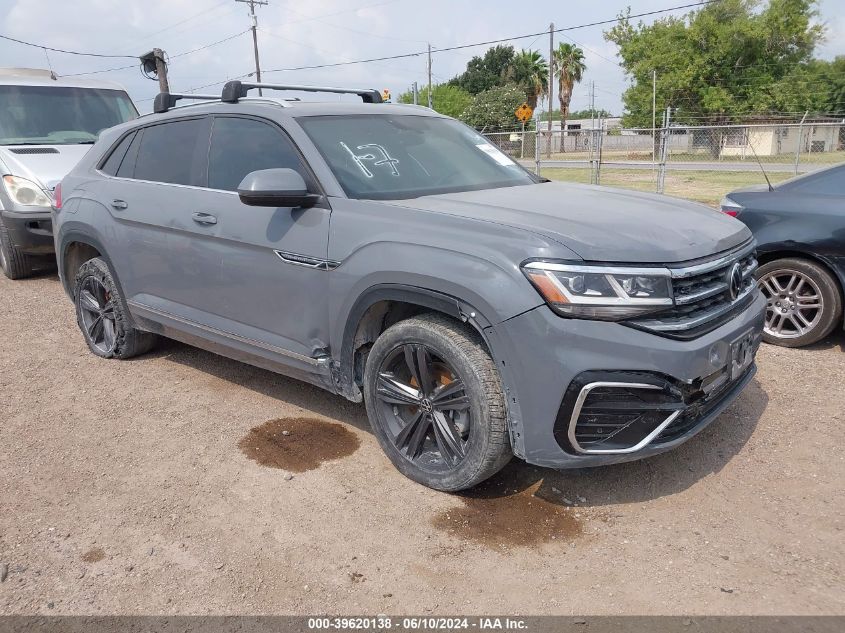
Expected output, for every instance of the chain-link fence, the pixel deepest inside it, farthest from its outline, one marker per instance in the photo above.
(698, 162)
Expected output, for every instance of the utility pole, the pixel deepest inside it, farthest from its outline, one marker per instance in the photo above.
(252, 4)
(416, 92)
(551, 85)
(430, 102)
(161, 70)
(653, 119)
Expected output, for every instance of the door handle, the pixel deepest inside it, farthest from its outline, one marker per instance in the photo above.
(119, 204)
(203, 218)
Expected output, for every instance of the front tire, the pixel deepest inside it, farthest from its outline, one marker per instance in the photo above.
(803, 302)
(435, 403)
(101, 316)
(13, 263)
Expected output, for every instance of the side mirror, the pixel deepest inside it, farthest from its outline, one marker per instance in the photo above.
(275, 188)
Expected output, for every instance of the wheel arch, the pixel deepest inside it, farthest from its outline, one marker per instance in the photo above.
(76, 248)
(383, 305)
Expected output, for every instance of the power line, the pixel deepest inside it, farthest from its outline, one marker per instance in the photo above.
(188, 19)
(60, 50)
(182, 54)
(497, 41)
(202, 48)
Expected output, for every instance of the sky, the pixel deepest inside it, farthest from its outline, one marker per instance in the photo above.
(293, 34)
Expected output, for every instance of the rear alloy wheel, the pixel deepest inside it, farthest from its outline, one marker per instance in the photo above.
(101, 316)
(435, 403)
(803, 303)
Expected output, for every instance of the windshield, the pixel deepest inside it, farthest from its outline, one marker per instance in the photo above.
(56, 115)
(390, 157)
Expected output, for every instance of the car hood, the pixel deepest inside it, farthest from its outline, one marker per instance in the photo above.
(600, 223)
(43, 164)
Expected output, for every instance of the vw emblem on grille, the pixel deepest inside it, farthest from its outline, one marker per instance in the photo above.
(734, 281)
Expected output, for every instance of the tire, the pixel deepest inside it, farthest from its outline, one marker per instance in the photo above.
(115, 336)
(14, 263)
(462, 410)
(803, 302)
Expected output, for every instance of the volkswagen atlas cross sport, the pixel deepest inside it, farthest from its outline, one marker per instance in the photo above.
(392, 255)
(46, 125)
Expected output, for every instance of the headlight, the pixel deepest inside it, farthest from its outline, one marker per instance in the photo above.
(600, 292)
(25, 192)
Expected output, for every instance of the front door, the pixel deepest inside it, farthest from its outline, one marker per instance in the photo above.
(269, 279)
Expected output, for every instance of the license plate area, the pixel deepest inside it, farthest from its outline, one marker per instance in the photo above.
(742, 353)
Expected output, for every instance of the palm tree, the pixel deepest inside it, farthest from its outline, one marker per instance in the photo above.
(530, 72)
(568, 64)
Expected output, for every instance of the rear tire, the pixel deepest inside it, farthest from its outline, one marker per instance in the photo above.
(436, 404)
(101, 316)
(14, 263)
(803, 302)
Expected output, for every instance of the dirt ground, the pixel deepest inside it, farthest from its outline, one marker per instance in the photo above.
(154, 486)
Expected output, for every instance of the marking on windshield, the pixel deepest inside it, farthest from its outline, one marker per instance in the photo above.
(378, 160)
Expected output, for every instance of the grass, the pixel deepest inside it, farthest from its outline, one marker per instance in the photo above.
(707, 187)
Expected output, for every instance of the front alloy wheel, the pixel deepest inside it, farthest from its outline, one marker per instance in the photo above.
(436, 404)
(424, 405)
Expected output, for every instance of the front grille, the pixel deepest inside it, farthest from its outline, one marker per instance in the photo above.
(625, 411)
(619, 417)
(697, 411)
(703, 299)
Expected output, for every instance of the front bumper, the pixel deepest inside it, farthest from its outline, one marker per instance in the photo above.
(31, 231)
(549, 360)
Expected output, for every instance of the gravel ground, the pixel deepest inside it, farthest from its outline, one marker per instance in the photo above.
(174, 483)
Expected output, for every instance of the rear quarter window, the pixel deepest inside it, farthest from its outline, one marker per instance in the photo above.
(112, 163)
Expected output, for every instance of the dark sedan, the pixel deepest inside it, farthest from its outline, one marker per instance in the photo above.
(800, 229)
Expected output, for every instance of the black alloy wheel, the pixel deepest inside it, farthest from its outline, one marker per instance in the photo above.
(436, 404)
(425, 406)
(97, 317)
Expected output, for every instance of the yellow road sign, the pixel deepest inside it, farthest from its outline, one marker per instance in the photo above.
(524, 112)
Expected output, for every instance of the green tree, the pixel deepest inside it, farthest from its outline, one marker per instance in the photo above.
(568, 64)
(486, 72)
(445, 99)
(817, 86)
(530, 72)
(722, 62)
(493, 109)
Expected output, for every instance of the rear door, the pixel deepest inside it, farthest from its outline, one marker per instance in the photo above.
(156, 188)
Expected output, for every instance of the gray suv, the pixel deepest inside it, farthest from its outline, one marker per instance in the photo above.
(392, 255)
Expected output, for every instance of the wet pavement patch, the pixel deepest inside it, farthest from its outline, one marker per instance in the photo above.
(298, 444)
(93, 555)
(502, 513)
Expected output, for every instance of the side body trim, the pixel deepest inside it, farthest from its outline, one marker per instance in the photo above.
(224, 333)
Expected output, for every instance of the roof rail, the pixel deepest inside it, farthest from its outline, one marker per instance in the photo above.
(234, 90)
(166, 100)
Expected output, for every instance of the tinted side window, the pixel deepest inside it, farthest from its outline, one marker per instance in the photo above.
(127, 165)
(112, 163)
(168, 152)
(239, 146)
